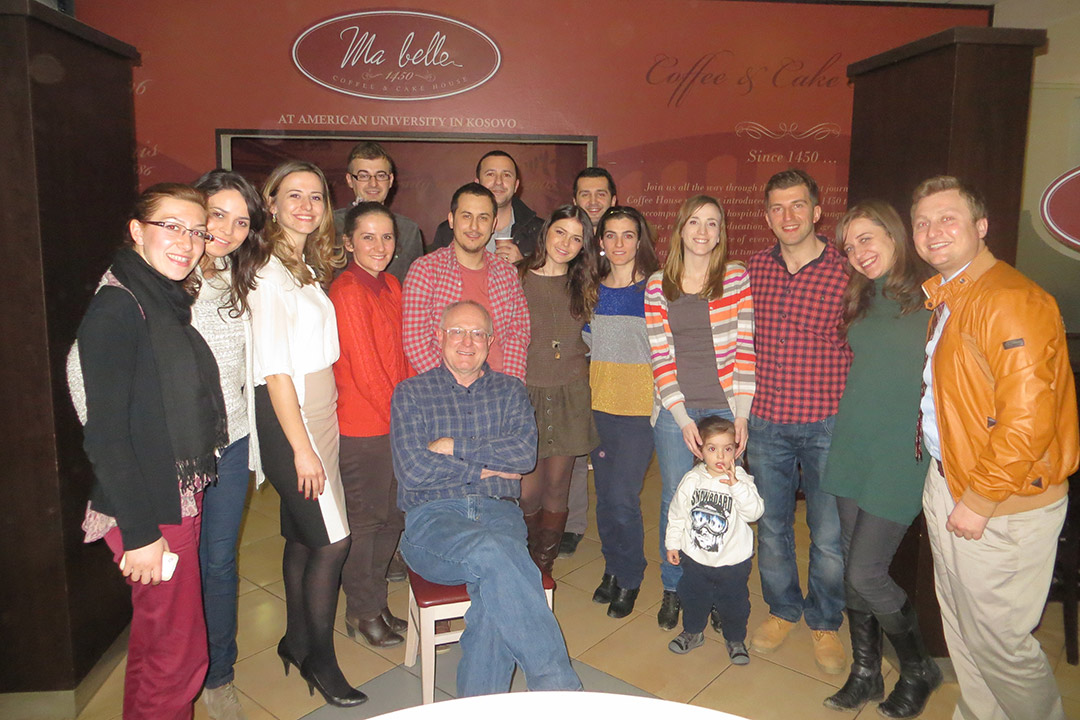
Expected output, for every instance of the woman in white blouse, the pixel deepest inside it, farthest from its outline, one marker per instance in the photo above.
(295, 343)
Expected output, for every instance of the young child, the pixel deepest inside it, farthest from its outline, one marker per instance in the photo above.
(709, 535)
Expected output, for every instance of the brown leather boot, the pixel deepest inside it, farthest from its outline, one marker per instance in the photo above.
(532, 526)
(549, 536)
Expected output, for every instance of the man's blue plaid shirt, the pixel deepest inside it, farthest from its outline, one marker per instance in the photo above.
(492, 425)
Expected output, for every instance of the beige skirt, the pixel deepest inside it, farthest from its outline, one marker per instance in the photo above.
(313, 524)
(320, 418)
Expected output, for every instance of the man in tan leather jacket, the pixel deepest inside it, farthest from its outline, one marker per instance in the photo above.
(999, 418)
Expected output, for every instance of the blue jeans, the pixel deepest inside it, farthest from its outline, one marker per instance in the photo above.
(480, 541)
(620, 462)
(776, 452)
(222, 510)
(675, 461)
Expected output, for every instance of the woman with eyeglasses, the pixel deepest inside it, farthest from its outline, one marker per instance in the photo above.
(295, 344)
(227, 273)
(554, 277)
(146, 387)
(367, 300)
(622, 392)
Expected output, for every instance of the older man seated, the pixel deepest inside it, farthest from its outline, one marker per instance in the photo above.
(462, 435)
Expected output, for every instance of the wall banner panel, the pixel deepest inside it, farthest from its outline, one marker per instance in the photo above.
(682, 96)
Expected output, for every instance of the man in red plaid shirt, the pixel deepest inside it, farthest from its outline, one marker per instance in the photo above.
(802, 365)
(466, 270)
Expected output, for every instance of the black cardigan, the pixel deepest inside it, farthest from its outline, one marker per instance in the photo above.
(127, 442)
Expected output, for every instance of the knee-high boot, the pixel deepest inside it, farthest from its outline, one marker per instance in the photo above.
(864, 683)
(532, 527)
(919, 674)
(549, 535)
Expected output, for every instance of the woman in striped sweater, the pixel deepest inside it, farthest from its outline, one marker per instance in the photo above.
(701, 304)
(621, 384)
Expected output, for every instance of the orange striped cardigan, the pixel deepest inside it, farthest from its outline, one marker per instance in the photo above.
(732, 320)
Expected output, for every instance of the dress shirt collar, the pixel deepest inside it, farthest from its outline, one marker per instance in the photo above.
(779, 258)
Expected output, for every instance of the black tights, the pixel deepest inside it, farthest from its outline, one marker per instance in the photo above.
(548, 486)
(312, 579)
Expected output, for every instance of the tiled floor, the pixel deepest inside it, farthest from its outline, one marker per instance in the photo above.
(627, 656)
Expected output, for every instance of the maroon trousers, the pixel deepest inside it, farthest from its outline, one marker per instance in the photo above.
(167, 657)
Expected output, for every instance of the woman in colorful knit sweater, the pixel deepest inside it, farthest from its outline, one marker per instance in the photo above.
(367, 301)
(700, 303)
(621, 385)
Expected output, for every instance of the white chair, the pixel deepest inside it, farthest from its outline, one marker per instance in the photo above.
(429, 603)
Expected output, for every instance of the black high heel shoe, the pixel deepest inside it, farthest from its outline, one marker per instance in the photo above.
(287, 657)
(353, 697)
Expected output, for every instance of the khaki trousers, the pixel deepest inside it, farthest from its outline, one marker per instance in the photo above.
(992, 592)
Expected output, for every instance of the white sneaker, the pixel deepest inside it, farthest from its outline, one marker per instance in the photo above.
(222, 703)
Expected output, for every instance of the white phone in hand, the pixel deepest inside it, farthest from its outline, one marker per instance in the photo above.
(168, 564)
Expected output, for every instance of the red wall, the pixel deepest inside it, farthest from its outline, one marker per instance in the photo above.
(768, 87)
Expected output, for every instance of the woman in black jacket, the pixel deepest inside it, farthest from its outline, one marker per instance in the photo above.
(151, 403)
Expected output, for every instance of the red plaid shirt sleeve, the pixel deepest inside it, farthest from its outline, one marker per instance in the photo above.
(420, 310)
(802, 358)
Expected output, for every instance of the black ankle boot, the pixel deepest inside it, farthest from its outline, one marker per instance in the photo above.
(919, 674)
(622, 602)
(602, 594)
(864, 683)
(668, 617)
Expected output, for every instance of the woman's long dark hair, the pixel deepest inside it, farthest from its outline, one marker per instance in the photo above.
(581, 271)
(645, 262)
(904, 282)
(244, 262)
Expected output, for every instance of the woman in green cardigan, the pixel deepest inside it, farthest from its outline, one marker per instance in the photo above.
(872, 468)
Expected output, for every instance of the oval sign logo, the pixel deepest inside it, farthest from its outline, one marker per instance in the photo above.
(396, 55)
(1060, 209)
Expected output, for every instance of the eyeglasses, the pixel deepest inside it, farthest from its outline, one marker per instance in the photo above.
(364, 176)
(460, 333)
(178, 230)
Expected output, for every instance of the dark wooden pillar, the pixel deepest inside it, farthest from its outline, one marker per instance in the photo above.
(954, 103)
(67, 176)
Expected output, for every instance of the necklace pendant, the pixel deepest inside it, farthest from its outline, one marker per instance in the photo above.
(555, 347)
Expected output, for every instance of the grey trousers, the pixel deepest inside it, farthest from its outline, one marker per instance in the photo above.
(578, 503)
(869, 545)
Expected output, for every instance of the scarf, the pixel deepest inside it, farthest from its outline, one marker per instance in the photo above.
(186, 369)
